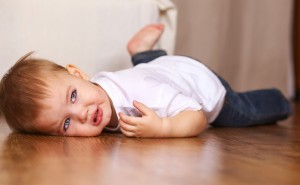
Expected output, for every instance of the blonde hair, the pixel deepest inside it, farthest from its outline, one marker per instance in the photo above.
(22, 90)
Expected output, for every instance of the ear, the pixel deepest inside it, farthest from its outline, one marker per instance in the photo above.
(73, 70)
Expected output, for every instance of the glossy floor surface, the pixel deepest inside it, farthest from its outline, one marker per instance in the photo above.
(255, 155)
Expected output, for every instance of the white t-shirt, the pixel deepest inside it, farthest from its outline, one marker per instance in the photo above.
(168, 85)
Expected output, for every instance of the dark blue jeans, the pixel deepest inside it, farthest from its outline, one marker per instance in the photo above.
(240, 108)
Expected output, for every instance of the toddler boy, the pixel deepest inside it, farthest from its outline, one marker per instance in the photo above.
(171, 96)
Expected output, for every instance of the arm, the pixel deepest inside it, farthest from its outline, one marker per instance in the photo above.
(185, 124)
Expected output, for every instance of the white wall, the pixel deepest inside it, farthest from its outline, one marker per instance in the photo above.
(91, 34)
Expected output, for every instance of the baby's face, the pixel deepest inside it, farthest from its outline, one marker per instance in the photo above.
(76, 107)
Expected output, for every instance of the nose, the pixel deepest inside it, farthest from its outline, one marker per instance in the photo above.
(81, 114)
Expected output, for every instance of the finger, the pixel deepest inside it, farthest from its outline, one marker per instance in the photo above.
(127, 127)
(129, 119)
(142, 108)
(127, 133)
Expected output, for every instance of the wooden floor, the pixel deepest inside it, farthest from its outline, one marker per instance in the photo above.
(234, 156)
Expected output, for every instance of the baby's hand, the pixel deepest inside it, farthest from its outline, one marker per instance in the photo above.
(148, 125)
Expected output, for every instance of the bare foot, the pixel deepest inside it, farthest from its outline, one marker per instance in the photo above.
(145, 39)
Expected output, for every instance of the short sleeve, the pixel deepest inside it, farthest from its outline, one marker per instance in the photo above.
(180, 103)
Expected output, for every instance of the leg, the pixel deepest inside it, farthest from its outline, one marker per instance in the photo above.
(141, 45)
(147, 56)
(252, 108)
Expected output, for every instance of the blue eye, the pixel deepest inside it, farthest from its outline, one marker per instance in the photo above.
(67, 124)
(73, 96)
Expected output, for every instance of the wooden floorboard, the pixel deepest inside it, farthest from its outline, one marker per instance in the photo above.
(263, 155)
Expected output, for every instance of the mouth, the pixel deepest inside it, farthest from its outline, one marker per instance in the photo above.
(97, 117)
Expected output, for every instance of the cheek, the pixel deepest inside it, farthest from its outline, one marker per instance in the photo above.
(102, 97)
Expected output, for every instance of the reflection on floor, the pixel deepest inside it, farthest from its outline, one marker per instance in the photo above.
(255, 155)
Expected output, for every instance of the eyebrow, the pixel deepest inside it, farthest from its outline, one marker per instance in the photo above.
(58, 127)
(58, 130)
(68, 94)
